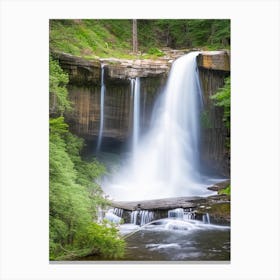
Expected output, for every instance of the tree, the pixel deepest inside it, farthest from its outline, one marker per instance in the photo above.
(134, 36)
(58, 80)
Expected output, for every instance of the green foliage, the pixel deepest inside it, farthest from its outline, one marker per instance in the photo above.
(225, 191)
(74, 197)
(182, 33)
(57, 87)
(222, 99)
(91, 38)
(104, 38)
(69, 202)
(210, 33)
(87, 172)
(58, 125)
(156, 52)
(103, 240)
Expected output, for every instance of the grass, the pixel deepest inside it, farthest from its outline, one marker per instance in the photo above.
(92, 38)
(225, 191)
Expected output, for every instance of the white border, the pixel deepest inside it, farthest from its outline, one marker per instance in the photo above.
(24, 138)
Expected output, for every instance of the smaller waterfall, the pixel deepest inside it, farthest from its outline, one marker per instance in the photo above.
(189, 215)
(133, 217)
(102, 96)
(132, 82)
(110, 216)
(146, 217)
(118, 212)
(141, 217)
(177, 213)
(136, 113)
(206, 218)
(181, 214)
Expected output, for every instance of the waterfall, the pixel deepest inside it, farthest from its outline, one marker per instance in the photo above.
(177, 213)
(102, 96)
(206, 218)
(136, 113)
(132, 82)
(141, 217)
(189, 215)
(133, 217)
(146, 217)
(110, 216)
(118, 212)
(181, 214)
(165, 162)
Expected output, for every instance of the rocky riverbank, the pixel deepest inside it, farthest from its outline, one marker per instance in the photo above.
(217, 206)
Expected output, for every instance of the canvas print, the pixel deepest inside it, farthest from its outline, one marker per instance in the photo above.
(139, 140)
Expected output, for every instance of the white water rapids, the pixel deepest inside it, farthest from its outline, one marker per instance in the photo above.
(166, 161)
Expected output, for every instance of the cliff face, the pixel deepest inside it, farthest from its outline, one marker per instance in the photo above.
(118, 107)
(85, 86)
(213, 68)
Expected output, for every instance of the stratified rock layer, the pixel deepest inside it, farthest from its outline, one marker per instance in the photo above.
(214, 67)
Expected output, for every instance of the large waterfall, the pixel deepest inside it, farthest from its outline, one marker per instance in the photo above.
(166, 161)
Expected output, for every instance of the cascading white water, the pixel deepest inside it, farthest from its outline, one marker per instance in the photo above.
(177, 213)
(206, 218)
(136, 113)
(145, 217)
(132, 82)
(133, 217)
(110, 216)
(166, 161)
(102, 96)
(118, 212)
(189, 215)
(181, 214)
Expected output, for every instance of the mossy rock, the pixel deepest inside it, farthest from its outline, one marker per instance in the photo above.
(220, 213)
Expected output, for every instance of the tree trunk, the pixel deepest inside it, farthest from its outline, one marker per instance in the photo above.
(134, 36)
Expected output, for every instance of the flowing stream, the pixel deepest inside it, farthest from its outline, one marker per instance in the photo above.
(158, 243)
(178, 237)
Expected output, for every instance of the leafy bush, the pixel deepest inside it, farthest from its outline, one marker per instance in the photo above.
(222, 99)
(74, 198)
(156, 52)
(103, 240)
(58, 92)
(225, 191)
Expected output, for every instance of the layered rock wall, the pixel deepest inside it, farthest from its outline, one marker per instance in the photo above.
(85, 86)
(118, 108)
(214, 67)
